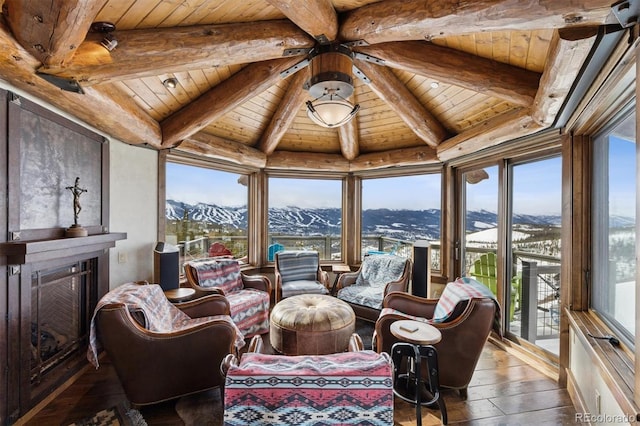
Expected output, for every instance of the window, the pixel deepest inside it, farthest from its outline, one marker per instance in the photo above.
(614, 225)
(397, 211)
(205, 211)
(480, 225)
(533, 296)
(305, 214)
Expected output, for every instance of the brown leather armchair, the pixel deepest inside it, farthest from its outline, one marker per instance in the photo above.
(153, 366)
(463, 334)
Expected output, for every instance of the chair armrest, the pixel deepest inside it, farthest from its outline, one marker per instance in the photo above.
(255, 345)
(212, 304)
(355, 343)
(258, 282)
(323, 277)
(400, 286)
(347, 279)
(228, 361)
(410, 304)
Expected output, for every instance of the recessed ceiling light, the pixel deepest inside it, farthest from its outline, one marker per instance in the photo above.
(170, 83)
(435, 84)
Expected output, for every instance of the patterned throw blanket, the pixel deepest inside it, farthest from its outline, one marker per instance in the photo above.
(160, 315)
(343, 388)
(454, 292)
(249, 307)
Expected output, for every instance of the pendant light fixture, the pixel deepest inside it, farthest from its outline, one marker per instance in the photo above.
(330, 86)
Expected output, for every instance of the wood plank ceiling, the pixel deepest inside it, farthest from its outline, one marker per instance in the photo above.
(457, 76)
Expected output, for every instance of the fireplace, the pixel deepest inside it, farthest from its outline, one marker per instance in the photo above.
(53, 286)
(60, 314)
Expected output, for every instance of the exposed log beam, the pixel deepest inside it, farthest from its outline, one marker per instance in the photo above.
(389, 88)
(502, 128)
(150, 52)
(316, 17)
(492, 78)
(568, 49)
(221, 149)
(394, 158)
(237, 89)
(51, 31)
(106, 109)
(307, 161)
(285, 113)
(348, 136)
(396, 20)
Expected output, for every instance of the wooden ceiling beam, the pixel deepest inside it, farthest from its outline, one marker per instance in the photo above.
(307, 161)
(51, 31)
(223, 149)
(317, 18)
(399, 20)
(567, 52)
(229, 94)
(349, 139)
(390, 89)
(285, 113)
(394, 158)
(502, 128)
(154, 51)
(492, 78)
(107, 109)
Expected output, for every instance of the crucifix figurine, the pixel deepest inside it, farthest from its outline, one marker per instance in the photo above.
(76, 191)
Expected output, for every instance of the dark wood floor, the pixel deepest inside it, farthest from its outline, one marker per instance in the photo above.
(504, 390)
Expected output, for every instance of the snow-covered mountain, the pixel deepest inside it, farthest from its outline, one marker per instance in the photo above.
(403, 224)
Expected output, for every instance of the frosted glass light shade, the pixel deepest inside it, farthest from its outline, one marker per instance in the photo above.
(331, 111)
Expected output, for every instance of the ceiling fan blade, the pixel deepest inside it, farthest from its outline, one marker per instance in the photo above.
(317, 18)
(398, 20)
(149, 52)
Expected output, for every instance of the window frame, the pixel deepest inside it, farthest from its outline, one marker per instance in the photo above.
(311, 176)
(597, 220)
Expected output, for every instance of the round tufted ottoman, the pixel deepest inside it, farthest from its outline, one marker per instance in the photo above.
(311, 324)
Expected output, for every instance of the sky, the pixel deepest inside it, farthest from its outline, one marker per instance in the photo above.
(537, 188)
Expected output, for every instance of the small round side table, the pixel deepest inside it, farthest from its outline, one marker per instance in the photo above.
(416, 343)
(180, 294)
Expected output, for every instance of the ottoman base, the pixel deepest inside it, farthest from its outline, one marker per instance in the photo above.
(311, 325)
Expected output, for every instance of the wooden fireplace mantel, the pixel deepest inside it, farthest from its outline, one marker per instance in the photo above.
(22, 252)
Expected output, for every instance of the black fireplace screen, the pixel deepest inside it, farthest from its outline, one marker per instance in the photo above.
(60, 314)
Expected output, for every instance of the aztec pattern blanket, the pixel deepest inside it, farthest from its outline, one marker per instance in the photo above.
(160, 315)
(336, 389)
(249, 307)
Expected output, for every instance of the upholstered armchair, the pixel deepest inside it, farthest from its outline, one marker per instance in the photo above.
(162, 351)
(352, 387)
(249, 296)
(377, 276)
(465, 318)
(298, 272)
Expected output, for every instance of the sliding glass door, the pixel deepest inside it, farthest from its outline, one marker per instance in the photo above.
(533, 293)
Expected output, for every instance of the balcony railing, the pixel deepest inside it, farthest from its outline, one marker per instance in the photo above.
(536, 310)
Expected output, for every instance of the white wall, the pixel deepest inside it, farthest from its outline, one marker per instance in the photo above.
(133, 200)
(600, 403)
